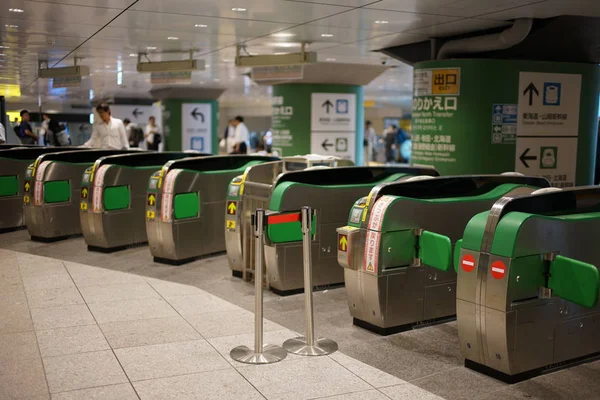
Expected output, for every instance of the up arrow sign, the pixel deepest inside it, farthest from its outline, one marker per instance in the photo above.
(531, 89)
(328, 104)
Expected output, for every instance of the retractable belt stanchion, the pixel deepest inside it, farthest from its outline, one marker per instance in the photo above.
(262, 353)
(308, 345)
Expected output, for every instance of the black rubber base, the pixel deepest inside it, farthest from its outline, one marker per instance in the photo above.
(520, 377)
(237, 274)
(108, 250)
(7, 230)
(291, 292)
(52, 239)
(168, 261)
(401, 328)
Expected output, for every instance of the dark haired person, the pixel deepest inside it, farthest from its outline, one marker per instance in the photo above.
(25, 132)
(241, 133)
(108, 132)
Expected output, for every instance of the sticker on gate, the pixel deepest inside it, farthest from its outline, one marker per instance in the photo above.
(169, 185)
(166, 207)
(379, 209)
(39, 176)
(38, 192)
(371, 258)
(468, 263)
(97, 199)
(230, 225)
(99, 180)
(498, 269)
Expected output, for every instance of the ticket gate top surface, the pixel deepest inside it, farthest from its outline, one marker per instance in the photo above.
(217, 164)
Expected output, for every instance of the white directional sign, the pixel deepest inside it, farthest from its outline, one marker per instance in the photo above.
(551, 157)
(196, 126)
(333, 144)
(333, 112)
(134, 113)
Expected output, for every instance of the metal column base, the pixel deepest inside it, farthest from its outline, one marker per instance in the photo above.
(321, 347)
(270, 354)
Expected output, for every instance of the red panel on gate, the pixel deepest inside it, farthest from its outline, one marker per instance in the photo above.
(282, 218)
(498, 269)
(468, 263)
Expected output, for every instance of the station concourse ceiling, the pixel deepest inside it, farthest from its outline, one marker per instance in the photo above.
(107, 36)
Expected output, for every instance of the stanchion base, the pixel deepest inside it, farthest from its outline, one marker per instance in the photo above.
(321, 347)
(270, 354)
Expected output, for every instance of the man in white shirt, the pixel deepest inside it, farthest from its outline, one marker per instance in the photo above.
(2, 134)
(108, 132)
(241, 131)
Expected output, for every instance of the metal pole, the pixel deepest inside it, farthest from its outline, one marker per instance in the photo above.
(307, 345)
(262, 353)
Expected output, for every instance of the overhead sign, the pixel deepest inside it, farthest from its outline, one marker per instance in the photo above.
(498, 269)
(279, 73)
(138, 114)
(333, 112)
(441, 81)
(197, 126)
(66, 82)
(548, 126)
(171, 77)
(333, 144)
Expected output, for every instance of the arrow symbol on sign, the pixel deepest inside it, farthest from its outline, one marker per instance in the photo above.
(137, 112)
(326, 144)
(343, 243)
(84, 192)
(195, 113)
(497, 128)
(328, 104)
(151, 199)
(531, 89)
(498, 109)
(524, 158)
(27, 186)
(231, 207)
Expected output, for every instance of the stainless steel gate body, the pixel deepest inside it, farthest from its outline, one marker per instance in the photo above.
(14, 161)
(116, 203)
(58, 173)
(509, 325)
(200, 229)
(390, 286)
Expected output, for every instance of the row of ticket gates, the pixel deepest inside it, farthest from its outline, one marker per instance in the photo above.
(507, 255)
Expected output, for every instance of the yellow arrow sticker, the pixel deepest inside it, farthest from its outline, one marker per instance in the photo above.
(150, 215)
(232, 207)
(151, 199)
(83, 206)
(84, 193)
(27, 186)
(26, 199)
(343, 242)
(230, 224)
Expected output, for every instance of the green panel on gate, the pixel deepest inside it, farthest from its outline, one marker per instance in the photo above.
(397, 249)
(116, 198)
(457, 249)
(574, 280)
(186, 205)
(9, 185)
(288, 231)
(474, 231)
(435, 250)
(57, 191)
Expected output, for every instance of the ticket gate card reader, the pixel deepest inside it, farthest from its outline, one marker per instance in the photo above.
(184, 215)
(528, 282)
(251, 191)
(50, 209)
(330, 193)
(396, 251)
(13, 168)
(112, 211)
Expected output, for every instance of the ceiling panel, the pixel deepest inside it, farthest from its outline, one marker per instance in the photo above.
(116, 4)
(552, 8)
(58, 13)
(458, 8)
(345, 3)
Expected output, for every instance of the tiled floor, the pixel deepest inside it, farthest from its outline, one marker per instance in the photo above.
(81, 325)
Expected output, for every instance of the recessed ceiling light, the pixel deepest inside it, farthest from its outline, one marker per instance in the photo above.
(279, 53)
(4, 47)
(11, 26)
(2, 54)
(173, 38)
(326, 34)
(238, 9)
(132, 55)
(284, 34)
(107, 66)
(226, 60)
(286, 44)
(381, 22)
(330, 59)
(200, 26)
(17, 10)
(151, 48)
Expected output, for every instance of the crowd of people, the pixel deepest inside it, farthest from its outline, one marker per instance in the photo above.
(391, 140)
(238, 140)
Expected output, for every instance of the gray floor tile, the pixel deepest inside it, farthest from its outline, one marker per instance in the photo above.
(118, 292)
(23, 378)
(364, 395)
(148, 331)
(170, 359)
(85, 370)
(113, 392)
(61, 317)
(85, 275)
(10, 279)
(453, 384)
(408, 391)
(131, 310)
(15, 318)
(372, 376)
(47, 281)
(16, 295)
(71, 340)
(41, 266)
(199, 303)
(216, 385)
(232, 322)
(15, 346)
(305, 378)
(54, 297)
(170, 289)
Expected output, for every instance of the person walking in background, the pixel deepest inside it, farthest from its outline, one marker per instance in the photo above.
(241, 133)
(55, 132)
(227, 142)
(135, 134)
(390, 141)
(2, 134)
(152, 135)
(108, 132)
(268, 140)
(369, 142)
(26, 134)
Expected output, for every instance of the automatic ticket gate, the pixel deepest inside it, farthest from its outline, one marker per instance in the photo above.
(397, 248)
(330, 193)
(13, 168)
(528, 284)
(184, 215)
(50, 207)
(252, 190)
(113, 198)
